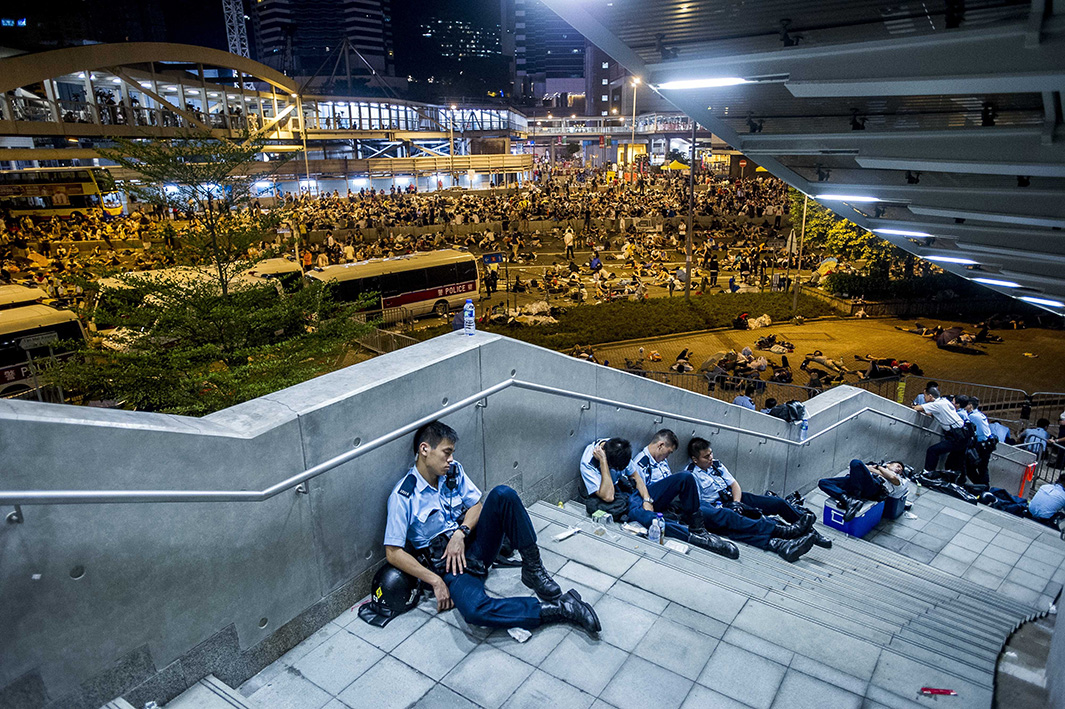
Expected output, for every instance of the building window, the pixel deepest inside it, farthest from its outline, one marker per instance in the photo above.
(606, 65)
(604, 97)
(602, 113)
(605, 82)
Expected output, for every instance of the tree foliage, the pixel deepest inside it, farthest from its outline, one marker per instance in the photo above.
(199, 338)
(843, 238)
(208, 178)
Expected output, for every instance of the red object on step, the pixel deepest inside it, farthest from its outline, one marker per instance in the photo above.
(1029, 473)
(933, 691)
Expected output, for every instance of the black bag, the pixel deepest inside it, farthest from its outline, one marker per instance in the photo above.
(789, 411)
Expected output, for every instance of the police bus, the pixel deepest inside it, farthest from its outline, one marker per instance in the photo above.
(16, 296)
(42, 193)
(433, 282)
(30, 337)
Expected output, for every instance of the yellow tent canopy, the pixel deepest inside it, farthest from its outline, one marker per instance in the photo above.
(676, 165)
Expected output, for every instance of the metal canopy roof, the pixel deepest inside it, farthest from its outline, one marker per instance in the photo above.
(948, 113)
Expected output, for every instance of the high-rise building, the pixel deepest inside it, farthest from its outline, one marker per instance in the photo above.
(35, 25)
(548, 54)
(297, 36)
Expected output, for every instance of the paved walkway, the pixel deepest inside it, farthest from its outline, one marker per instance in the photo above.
(1003, 364)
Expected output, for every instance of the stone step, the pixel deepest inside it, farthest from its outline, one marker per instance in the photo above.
(865, 618)
(210, 693)
(118, 703)
(884, 667)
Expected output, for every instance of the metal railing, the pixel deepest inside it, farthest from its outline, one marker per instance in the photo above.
(385, 341)
(76, 497)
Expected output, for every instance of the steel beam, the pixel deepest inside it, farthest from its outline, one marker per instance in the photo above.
(977, 61)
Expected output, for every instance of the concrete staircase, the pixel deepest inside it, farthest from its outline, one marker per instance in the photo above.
(885, 620)
(859, 625)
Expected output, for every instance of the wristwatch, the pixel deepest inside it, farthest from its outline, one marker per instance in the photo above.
(649, 499)
(465, 531)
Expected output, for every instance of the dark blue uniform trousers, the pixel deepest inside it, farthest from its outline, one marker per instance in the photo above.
(756, 532)
(682, 487)
(859, 482)
(951, 446)
(771, 505)
(502, 513)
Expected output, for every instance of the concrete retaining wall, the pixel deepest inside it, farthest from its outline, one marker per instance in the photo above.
(167, 593)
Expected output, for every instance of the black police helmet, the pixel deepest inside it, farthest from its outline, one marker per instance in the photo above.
(392, 593)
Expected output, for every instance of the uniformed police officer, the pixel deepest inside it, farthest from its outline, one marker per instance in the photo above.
(985, 444)
(789, 541)
(442, 531)
(654, 489)
(944, 412)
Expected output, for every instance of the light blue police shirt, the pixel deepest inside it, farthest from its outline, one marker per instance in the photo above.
(417, 511)
(1047, 501)
(711, 482)
(983, 428)
(590, 469)
(644, 464)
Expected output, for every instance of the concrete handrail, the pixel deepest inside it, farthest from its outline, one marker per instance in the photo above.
(75, 497)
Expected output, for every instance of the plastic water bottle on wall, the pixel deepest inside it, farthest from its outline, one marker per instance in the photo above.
(469, 318)
(804, 429)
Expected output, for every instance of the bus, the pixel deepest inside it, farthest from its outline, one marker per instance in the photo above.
(432, 282)
(15, 296)
(30, 336)
(42, 193)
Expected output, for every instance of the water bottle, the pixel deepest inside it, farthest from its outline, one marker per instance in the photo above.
(469, 322)
(653, 532)
(804, 429)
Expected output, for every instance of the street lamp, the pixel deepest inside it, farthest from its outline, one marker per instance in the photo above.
(451, 143)
(632, 141)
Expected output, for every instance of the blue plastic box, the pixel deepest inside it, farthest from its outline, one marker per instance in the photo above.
(894, 507)
(869, 517)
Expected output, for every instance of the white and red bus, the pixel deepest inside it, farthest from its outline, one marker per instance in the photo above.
(432, 282)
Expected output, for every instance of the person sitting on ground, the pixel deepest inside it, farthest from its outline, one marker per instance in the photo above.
(769, 404)
(1035, 439)
(720, 496)
(863, 483)
(651, 489)
(923, 396)
(442, 531)
(1048, 502)
(745, 399)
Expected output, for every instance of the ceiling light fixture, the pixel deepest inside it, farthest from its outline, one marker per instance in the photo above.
(846, 198)
(996, 282)
(1043, 301)
(953, 259)
(702, 83)
(900, 232)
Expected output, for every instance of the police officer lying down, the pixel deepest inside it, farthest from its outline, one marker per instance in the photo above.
(442, 531)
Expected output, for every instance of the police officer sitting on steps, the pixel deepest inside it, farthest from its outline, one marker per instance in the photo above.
(789, 541)
(653, 489)
(442, 531)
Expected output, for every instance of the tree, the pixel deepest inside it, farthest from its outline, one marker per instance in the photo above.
(198, 338)
(843, 238)
(210, 179)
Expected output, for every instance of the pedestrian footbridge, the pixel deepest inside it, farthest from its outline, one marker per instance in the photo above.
(157, 90)
(218, 561)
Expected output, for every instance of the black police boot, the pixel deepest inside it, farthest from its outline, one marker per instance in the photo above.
(569, 608)
(535, 576)
(791, 549)
(820, 540)
(714, 543)
(794, 531)
(852, 506)
(696, 524)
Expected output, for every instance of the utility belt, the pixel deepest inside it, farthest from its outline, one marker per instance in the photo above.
(432, 557)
